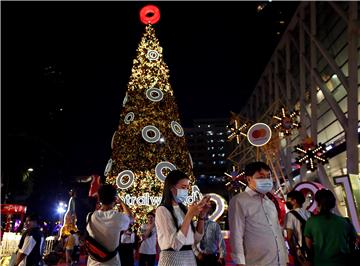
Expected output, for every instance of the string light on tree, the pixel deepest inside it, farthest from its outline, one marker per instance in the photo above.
(286, 121)
(311, 156)
(149, 141)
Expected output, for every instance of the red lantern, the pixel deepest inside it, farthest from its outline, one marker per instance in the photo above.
(150, 14)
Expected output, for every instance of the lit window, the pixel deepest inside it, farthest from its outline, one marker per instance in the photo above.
(214, 162)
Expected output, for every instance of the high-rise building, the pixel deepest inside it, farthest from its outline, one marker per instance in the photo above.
(209, 148)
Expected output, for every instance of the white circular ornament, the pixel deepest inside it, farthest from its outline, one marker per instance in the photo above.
(152, 55)
(108, 167)
(220, 204)
(259, 134)
(129, 117)
(126, 98)
(145, 134)
(177, 129)
(121, 183)
(160, 167)
(154, 94)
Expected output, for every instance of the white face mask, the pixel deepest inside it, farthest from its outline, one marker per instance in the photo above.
(181, 195)
(264, 185)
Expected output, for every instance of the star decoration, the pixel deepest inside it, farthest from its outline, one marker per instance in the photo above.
(311, 156)
(237, 131)
(234, 183)
(286, 122)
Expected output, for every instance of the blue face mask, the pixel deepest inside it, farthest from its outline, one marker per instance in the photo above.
(181, 195)
(264, 185)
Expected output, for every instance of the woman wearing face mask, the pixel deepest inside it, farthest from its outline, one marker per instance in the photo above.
(175, 229)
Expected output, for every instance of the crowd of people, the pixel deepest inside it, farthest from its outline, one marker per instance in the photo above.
(185, 236)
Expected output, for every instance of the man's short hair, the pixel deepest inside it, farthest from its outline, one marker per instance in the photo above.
(107, 194)
(254, 167)
(33, 217)
(298, 196)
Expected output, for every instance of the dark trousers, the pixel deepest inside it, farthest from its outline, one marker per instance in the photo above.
(126, 252)
(208, 260)
(147, 260)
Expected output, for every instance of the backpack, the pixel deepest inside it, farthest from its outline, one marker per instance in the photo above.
(304, 249)
(96, 250)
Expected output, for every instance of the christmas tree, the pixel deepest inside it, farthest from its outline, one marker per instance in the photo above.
(149, 141)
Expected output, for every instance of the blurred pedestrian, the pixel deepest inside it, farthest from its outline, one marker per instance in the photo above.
(147, 248)
(330, 236)
(127, 247)
(295, 221)
(211, 250)
(31, 243)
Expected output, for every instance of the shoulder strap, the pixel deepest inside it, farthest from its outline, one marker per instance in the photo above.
(88, 219)
(299, 217)
(302, 222)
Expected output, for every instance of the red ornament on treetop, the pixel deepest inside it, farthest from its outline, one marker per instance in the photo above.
(150, 14)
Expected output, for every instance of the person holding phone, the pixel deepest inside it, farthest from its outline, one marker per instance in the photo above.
(175, 228)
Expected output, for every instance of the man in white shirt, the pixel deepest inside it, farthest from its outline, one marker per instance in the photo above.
(147, 248)
(255, 234)
(106, 224)
(294, 223)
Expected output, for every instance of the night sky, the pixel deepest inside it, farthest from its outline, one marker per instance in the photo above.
(66, 66)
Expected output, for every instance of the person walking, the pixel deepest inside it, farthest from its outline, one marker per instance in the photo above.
(173, 221)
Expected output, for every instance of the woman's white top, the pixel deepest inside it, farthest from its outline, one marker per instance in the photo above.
(168, 235)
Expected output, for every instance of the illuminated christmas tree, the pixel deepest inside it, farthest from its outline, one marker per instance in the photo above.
(149, 141)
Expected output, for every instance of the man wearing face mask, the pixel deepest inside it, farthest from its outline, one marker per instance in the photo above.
(255, 234)
(294, 223)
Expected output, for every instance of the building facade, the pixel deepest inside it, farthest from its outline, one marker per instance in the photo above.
(209, 148)
(315, 70)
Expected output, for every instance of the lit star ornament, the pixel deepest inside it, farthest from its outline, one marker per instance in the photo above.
(311, 156)
(237, 131)
(286, 122)
(234, 183)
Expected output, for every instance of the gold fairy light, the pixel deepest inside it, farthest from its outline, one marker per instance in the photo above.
(286, 122)
(237, 131)
(234, 183)
(311, 156)
(149, 132)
